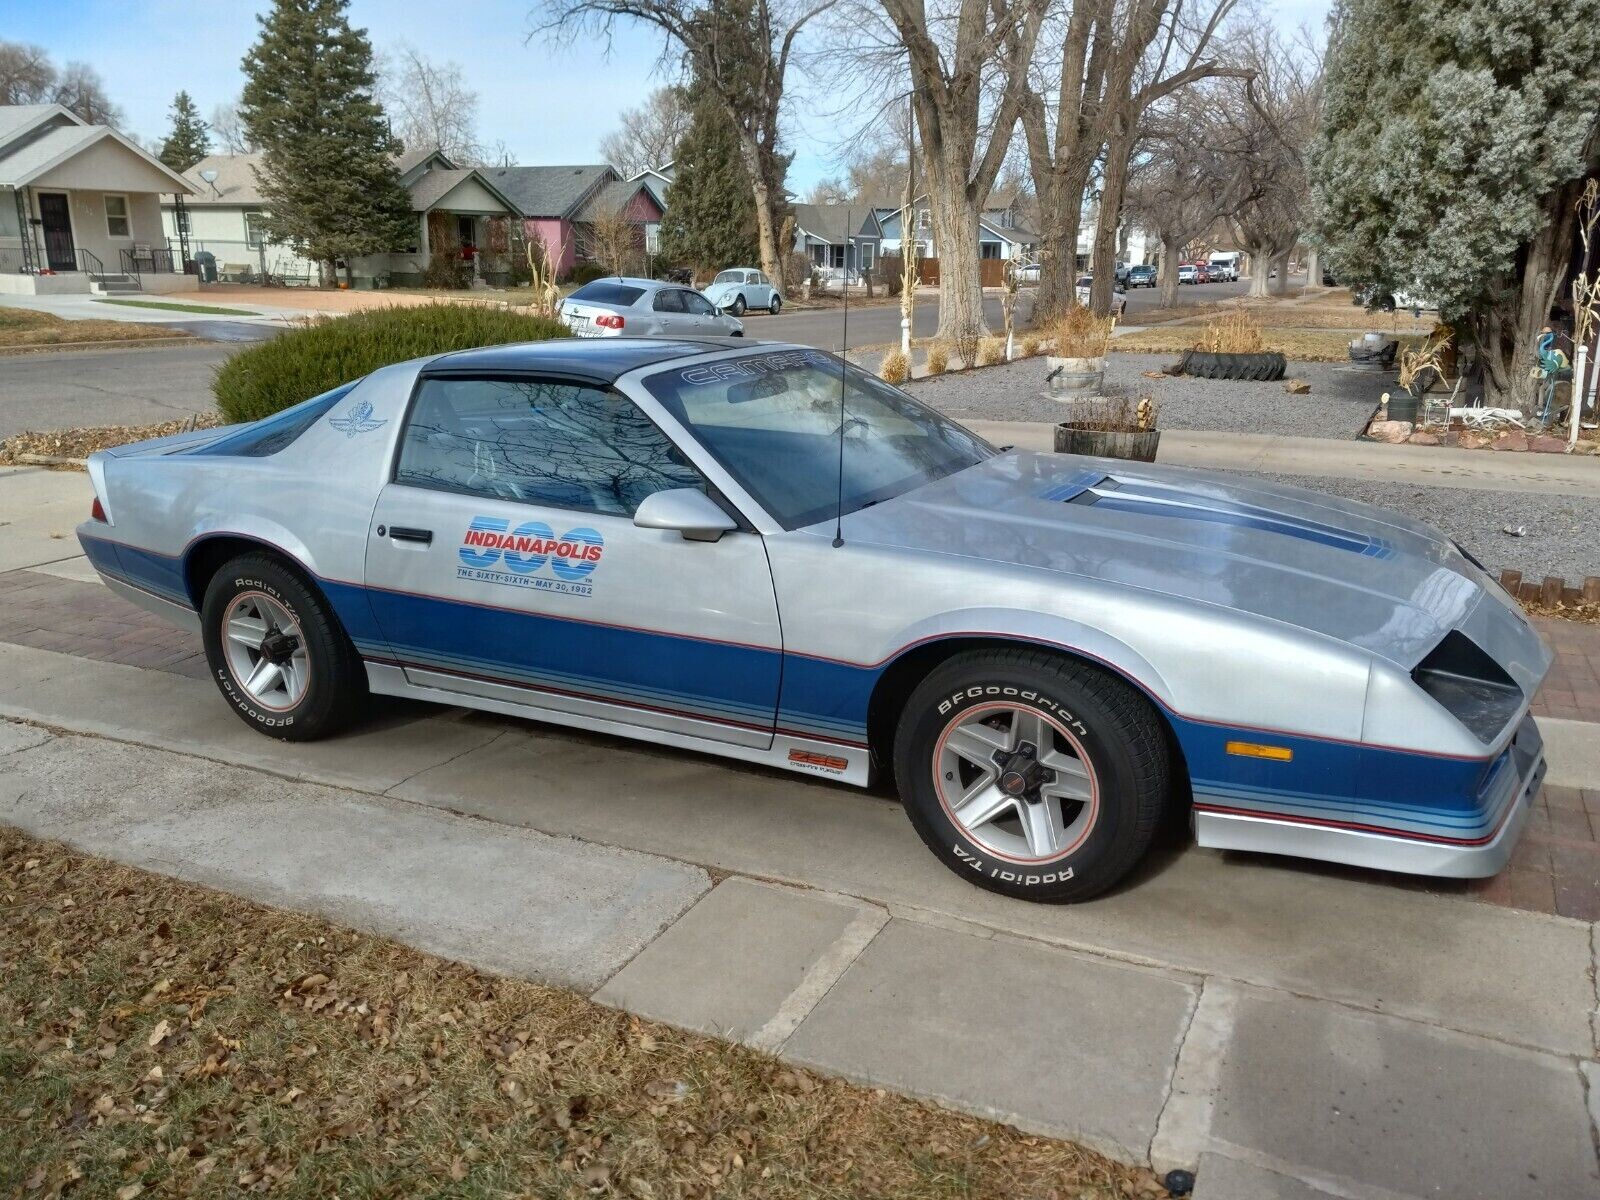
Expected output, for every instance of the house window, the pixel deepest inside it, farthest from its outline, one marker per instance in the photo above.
(989, 249)
(866, 256)
(117, 223)
(255, 231)
(9, 226)
(836, 256)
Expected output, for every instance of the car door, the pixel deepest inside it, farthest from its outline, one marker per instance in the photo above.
(670, 315)
(503, 563)
(761, 296)
(704, 314)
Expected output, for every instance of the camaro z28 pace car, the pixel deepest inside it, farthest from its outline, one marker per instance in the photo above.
(756, 551)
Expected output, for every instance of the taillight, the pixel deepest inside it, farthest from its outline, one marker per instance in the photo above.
(97, 510)
(609, 321)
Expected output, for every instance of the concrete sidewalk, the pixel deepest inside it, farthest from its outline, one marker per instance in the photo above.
(1321, 1084)
(1439, 466)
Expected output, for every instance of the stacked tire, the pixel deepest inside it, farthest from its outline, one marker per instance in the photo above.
(1260, 368)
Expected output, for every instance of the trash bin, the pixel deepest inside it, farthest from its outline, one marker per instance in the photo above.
(206, 266)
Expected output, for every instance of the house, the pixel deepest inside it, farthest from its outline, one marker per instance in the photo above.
(658, 180)
(225, 216)
(1000, 236)
(559, 205)
(80, 208)
(839, 239)
(634, 201)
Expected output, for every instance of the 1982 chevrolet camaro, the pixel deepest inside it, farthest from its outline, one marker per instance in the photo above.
(1046, 652)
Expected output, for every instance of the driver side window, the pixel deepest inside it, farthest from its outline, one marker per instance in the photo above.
(698, 305)
(532, 441)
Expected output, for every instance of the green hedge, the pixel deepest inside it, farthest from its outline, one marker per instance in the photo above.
(322, 354)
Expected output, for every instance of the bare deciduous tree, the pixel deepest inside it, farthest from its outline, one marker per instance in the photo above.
(27, 76)
(741, 50)
(430, 104)
(647, 136)
(614, 241)
(229, 131)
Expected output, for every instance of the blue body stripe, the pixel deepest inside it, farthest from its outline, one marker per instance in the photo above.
(828, 699)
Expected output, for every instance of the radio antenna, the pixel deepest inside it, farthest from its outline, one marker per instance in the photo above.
(844, 350)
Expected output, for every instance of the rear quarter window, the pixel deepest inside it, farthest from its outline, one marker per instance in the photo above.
(272, 434)
(601, 292)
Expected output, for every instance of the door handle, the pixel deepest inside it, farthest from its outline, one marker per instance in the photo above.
(405, 533)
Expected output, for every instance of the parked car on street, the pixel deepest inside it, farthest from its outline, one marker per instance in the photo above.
(1122, 272)
(621, 307)
(1142, 276)
(1046, 653)
(1188, 273)
(743, 288)
(1223, 267)
(1119, 298)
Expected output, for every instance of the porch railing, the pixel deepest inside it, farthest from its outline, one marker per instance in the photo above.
(147, 260)
(89, 263)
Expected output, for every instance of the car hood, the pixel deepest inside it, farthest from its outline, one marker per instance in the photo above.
(718, 292)
(1354, 572)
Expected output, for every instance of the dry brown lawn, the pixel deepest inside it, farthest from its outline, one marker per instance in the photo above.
(160, 1039)
(80, 443)
(22, 329)
(1299, 345)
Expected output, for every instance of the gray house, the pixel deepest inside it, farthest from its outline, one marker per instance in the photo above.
(841, 240)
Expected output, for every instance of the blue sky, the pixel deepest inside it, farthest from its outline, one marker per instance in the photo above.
(548, 105)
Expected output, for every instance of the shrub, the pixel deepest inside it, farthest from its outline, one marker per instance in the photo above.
(1235, 333)
(447, 270)
(894, 368)
(323, 353)
(938, 359)
(588, 272)
(991, 351)
(1030, 346)
(1078, 333)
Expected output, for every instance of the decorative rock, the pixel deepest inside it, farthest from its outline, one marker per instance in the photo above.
(1389, 431)
(1423, 438)
(1472, 439)
(1511, 441)
(1297, 387)
(1450, 438)
(1545, 444)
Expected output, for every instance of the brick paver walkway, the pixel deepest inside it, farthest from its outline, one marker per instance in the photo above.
(1556, 867)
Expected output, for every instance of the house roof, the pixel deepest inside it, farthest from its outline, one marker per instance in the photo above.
(430, 188)
(613, 197)
(235, 182)
(549, 191)
(37, 138)
(828, 222)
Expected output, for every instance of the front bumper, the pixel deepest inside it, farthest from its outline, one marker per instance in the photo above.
(1509, 798)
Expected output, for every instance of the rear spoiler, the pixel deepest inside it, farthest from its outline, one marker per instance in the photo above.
(172, 443)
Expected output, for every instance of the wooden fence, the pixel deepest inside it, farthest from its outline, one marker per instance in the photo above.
(992, 272)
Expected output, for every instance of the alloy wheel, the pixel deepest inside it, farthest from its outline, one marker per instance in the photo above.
(1016, 782)
(266, 651)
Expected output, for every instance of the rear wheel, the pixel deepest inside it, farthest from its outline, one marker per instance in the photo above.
(777, 304)
(277, 652)
(1031, 774)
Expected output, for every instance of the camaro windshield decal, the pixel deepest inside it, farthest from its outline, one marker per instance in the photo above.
(357, 420)
(755, 368)
(530, 556)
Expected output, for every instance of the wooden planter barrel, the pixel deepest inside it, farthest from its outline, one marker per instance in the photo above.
(1102, 443)
(1071, 378)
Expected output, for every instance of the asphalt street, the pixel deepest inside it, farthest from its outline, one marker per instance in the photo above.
(141, 386)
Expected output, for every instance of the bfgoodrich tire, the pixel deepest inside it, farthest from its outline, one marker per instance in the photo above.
(277, 652)
(1032, 774)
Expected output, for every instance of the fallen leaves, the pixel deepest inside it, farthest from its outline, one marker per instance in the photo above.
(168, 1039)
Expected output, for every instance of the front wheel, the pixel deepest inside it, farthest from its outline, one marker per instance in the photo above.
(277, 652)
(1031, 774)
(737, 308)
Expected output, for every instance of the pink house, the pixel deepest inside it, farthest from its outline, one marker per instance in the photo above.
(558, 203)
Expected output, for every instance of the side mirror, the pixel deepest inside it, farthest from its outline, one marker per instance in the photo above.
(690, 511)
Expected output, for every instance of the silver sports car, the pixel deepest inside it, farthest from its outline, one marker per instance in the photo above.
(758, 552)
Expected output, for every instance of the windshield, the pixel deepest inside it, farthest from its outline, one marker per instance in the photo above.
(730, 277)
(772, 420)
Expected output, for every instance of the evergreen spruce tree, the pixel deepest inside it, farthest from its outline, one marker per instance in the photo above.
(710, 222)
(190, 139)
(1456, 135)
(328, 173)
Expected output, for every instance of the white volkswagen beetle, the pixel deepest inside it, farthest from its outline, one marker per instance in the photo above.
(741, 288)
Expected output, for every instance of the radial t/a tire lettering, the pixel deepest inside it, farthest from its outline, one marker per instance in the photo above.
(277, 652)
(1032, 774)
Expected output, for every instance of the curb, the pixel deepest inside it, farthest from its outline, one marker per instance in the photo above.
(1552, 589)
(110, 344)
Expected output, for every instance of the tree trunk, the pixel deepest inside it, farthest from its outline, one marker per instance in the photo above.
(766, 233)
(1539, 287)
(1103, 266)
(1314, 270)
(1171, 252)
(1061, 215)
(1260, 265)
(955, 221)
(1280, 285)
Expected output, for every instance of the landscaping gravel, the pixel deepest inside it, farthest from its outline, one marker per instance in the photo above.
(1338, 405)
(1562, 537)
